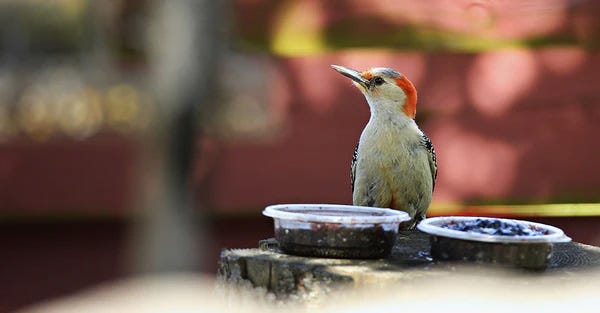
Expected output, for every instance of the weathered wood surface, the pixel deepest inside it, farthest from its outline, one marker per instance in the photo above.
(284, 275)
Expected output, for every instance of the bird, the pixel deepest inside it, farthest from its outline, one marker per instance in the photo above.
(394, 164)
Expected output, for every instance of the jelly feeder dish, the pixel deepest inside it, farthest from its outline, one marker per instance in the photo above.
(335, 231)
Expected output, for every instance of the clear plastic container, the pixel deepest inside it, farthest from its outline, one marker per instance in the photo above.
(336, 231)
(527, 251)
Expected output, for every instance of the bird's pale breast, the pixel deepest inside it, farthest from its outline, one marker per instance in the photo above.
(393, 170)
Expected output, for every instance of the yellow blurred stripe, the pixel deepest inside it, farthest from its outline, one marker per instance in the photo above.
(554, 209)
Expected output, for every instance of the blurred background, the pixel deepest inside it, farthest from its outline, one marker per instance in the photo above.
(145, 136)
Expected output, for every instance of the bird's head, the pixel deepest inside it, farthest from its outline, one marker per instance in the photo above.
(387, 91)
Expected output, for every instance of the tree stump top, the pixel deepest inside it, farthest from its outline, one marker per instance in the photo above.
(284, 275)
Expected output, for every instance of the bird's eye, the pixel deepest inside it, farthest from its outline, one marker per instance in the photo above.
(378, 81)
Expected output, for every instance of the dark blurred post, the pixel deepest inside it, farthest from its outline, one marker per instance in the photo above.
(184, 44)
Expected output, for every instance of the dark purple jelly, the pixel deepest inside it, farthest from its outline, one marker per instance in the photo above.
(336, 241)
(495, 227)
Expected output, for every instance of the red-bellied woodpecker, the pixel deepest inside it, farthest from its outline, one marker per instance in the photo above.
(394, 164)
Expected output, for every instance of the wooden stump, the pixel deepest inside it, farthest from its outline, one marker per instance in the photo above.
(303, 277)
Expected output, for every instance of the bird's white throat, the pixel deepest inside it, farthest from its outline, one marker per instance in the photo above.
(388, 113)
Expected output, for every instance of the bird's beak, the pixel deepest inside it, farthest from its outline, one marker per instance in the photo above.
(352, 74)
